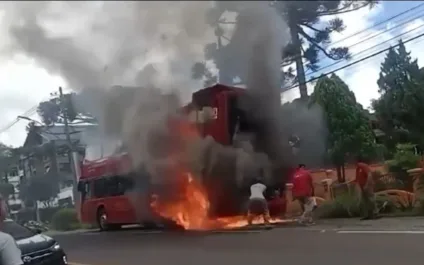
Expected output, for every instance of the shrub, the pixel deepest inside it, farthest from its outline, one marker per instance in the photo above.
(65, 220)
(404, 159)
(385, 182)
(347, 206)
(343, 206)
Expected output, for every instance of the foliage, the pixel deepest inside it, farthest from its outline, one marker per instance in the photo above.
(343, 206)
(56, 109)
(6, 189)
(308, 39)
(399, 107)
(65, 220)
(350, 133)
(348, 206)
(8, 158)
(385, 182)
(404, 159)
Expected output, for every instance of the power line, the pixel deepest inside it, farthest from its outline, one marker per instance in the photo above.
(373, 26)
(380, 23)
(371, 37)
(29, 112)
(357, 61)
(370, 48)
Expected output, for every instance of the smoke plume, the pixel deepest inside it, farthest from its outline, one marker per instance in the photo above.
(148, 49)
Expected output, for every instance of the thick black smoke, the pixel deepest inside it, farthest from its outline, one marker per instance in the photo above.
(149, 48)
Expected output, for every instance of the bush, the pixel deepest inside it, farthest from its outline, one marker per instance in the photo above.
(65, 220)
(404, 159)
(348, 206)
(385, 182)
(343, 206)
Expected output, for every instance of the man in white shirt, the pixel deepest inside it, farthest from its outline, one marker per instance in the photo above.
(257, 205)
(10, 254)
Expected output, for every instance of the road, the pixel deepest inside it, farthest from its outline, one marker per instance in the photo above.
(298, 246)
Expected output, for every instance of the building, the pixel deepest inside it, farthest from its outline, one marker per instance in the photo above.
(45, 150)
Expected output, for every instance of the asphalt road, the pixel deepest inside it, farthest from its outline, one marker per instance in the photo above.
(277, 246)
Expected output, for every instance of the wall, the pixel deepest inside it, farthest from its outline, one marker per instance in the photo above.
(293, 207)
(319, 175)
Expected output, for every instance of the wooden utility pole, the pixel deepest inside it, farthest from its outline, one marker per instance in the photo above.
(71, 148)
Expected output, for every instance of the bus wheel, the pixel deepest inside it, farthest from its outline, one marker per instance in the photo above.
(102, 219)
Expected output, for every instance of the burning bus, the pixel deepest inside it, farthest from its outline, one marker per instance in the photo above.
(114, 192)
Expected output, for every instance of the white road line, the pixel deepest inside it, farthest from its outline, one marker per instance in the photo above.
(411, 232)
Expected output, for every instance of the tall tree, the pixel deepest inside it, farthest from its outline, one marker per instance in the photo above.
(401, 95)
(349, 129)
(310, 37)
(305, 47)
(53, 110)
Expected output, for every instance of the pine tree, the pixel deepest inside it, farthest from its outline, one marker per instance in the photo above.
(301, 16)
(397, 69)
(401, 99)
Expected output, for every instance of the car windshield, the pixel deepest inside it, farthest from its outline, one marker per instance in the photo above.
(16, 231)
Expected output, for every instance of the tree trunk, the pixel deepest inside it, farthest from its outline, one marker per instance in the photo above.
(300, 71)
(339, 174)
(343, 173)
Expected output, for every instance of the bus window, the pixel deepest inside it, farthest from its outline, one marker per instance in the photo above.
(100, 188)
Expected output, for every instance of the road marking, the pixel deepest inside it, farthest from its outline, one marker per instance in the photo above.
(411, 232)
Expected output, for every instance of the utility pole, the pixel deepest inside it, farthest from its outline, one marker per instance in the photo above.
(71, 149)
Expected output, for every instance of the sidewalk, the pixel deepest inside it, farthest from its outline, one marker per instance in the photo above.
(385, 223)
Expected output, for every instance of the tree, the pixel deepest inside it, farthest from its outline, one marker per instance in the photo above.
(349, 129)
(9, 156)
(6, 189)
(302, 18)
(40, 189)
(404, 158)
(400, 105)
(54, 110)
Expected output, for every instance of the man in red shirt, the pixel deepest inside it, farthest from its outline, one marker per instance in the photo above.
(303, 190)
(366, 190)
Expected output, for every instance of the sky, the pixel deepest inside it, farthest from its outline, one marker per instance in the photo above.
(24, 81)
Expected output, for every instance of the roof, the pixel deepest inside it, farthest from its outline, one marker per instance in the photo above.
(202, 97)
(108, 166)
(44, 134)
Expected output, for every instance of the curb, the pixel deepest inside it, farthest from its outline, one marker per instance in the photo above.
(58, 233)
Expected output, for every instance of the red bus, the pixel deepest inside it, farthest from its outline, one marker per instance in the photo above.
(111, 195)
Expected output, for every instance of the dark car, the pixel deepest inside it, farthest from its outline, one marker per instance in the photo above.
(36, 248)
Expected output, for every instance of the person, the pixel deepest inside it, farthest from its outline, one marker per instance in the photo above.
(10, 254)
(303, 191)
(257, 204)
(365, 186)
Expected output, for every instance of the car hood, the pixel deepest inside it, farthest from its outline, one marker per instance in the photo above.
(35, 243)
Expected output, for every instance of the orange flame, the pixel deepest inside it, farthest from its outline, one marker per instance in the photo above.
(191, 208)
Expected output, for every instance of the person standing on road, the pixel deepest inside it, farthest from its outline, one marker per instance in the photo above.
(303, 191)
(257, 204)
(365, 185)
(10, 254)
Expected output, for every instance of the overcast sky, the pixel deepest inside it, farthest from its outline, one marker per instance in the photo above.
(24, 80)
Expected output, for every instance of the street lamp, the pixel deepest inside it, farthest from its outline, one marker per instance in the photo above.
(28, 119)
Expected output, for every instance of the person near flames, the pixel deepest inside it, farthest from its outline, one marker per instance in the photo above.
(258, 204)
(303, 191)
(365, 186)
